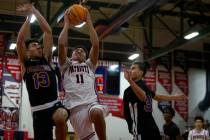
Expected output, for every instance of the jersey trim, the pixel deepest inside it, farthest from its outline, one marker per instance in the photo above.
(44, 106)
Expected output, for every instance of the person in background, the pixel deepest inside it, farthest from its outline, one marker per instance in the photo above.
(138, 104)
(198, 133)
(171, 131)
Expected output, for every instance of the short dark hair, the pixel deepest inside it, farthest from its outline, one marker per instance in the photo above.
(30, 40)
(83, 47)
(170, 110)
(199, 118)
(142, 66)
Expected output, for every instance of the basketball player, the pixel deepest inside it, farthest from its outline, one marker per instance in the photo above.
(40, 79)
(79, 81)
(138, 104)
(170, 129)
(199, 133)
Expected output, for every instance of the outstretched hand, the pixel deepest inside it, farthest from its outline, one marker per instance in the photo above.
(25, 9)
(127, 73)
(88, 17)
(180, 96)
(66, 18)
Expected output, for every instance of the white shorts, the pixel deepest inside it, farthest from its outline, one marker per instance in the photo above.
(81, 123)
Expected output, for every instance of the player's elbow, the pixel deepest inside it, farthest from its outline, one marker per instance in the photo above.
(95, 45)
(20, 41)
(48, 31)
(61, 42)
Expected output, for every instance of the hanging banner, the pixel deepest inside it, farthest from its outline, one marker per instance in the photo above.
(181, 81)
(164, 78)
(114, 104)
(150, 79)
(9, 118)
(13, 67)
(13, 135)
(165, 61)
(13, 91)
(100, 80)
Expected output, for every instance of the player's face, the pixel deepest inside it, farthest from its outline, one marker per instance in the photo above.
(79, 55)
(167, 116)
(136, 73)
(198, 124)
(35, 50)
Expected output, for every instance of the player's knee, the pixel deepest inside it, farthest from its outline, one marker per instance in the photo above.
(60, 116)
(96, 114)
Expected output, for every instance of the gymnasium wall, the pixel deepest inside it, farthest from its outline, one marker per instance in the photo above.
(117, 127)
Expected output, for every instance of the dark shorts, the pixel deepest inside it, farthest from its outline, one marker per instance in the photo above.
(150, 130)
(43, 122)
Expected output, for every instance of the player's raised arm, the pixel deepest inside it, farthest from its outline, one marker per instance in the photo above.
(47, 37)
(94, 51)
(21, 48)
(63, 41)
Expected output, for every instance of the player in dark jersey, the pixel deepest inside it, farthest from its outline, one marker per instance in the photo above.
(138, 104)
(40, 79)
(170, 129)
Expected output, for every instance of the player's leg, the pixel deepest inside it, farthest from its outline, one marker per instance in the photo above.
(81, 124)
(43, 126)
(60, 116)
(97, 114)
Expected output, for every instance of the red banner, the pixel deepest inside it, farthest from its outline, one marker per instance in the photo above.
(13, 135)
(150, 79)
(13, 67)
(164, 78)
(181, 80)
(8, 135)
(9, 118)
(114, 104)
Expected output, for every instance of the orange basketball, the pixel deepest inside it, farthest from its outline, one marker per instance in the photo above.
(77, 14)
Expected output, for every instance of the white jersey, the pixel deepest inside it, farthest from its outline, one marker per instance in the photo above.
(198, 135)
(79, 83)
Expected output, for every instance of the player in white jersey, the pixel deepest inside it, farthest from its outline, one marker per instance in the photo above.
(198, 133)
(79, 82)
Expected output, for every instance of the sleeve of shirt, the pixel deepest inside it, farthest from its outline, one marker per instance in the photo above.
(90, 64)
(176, 131)
(190, 136)
(126, 113)
(207, 135)
(148, 90)
(60, 80)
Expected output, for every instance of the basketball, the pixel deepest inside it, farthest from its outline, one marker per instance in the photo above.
(77, 14)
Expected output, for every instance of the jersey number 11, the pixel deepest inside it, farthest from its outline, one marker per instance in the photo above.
(80, 79)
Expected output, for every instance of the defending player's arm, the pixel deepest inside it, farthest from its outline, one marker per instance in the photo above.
(137, 90)
(29, 9)
(21, 48)
(47, 37)
(94, 51)
(63, 41)
(169, 97)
